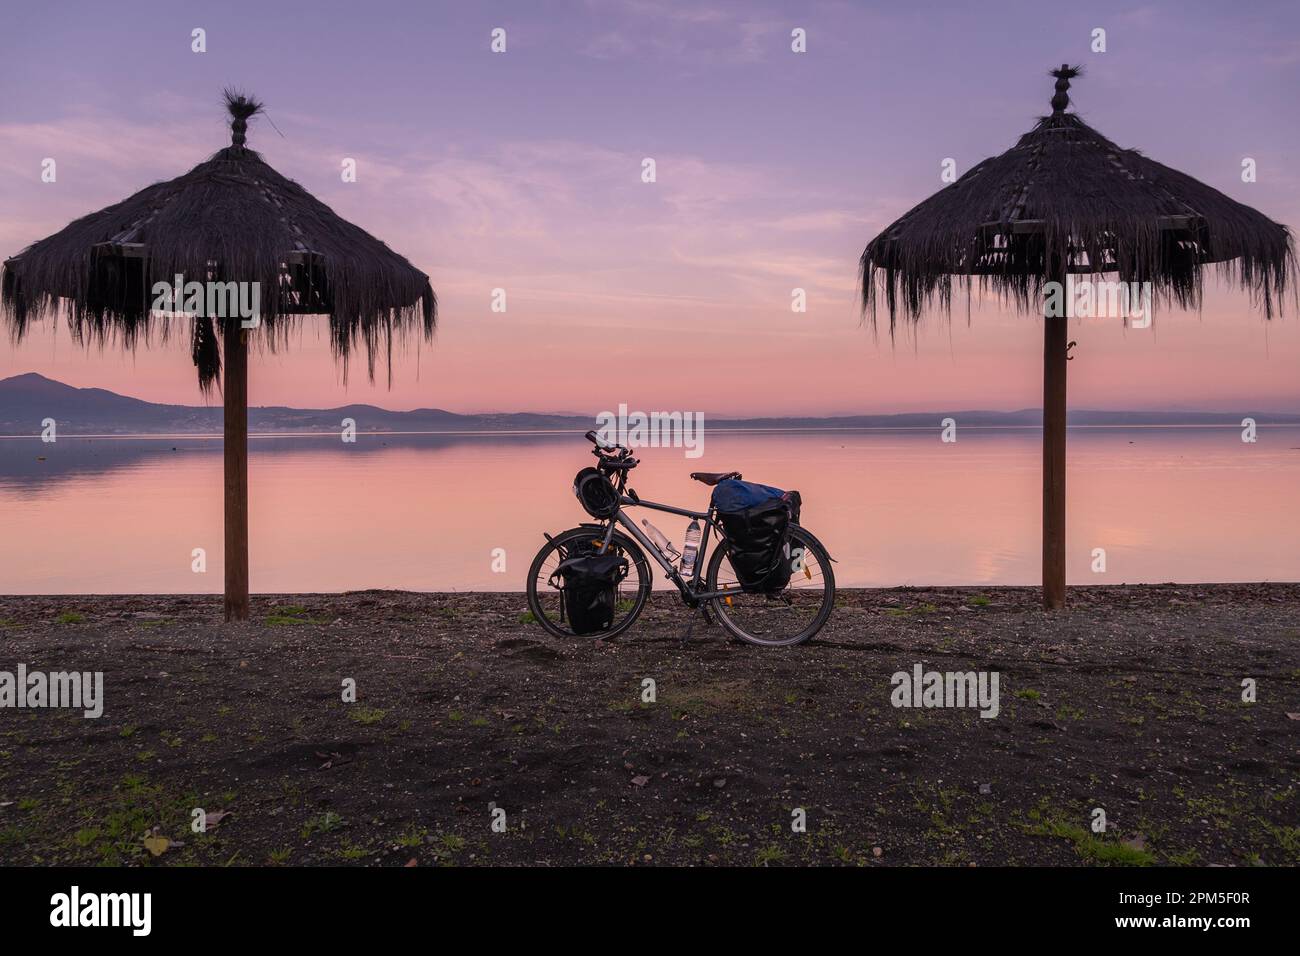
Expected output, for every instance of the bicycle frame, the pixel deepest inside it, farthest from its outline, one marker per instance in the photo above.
(690, 588)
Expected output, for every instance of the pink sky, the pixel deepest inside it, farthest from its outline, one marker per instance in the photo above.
(522, 171)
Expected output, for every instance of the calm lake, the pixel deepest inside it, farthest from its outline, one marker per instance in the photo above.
(425, 512)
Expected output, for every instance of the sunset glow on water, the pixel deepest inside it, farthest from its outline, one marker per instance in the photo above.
(425, 512)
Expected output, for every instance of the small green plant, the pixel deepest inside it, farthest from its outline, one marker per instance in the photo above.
(528, 617)
(980, 600)
(134, 783)
(367, 715)
(412, 838)
(1089, 846)
(279, 857)
(70, 617)
(350, 851)
(1028, 694)
(325, 823)
(1288, 839)
(290, 614)
(769, 854)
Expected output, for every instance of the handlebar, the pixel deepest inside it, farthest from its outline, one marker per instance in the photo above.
(612, 457)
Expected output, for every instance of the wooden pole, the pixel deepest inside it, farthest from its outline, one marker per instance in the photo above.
(235, 397)
(1054, 357)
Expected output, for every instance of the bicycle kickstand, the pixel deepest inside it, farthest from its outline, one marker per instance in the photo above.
(690, 627)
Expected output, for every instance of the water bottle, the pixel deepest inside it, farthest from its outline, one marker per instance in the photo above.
(657, 536)
(690, 548)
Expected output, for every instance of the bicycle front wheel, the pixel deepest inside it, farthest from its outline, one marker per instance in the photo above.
(545, 597)
(782, 618)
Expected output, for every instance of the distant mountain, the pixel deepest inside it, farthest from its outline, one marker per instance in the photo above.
(27, 400)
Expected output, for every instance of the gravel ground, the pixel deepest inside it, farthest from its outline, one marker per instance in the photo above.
(467, 714)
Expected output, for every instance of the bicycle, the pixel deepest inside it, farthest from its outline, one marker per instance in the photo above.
(782, 618)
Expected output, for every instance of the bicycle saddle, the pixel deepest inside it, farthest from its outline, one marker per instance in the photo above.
(713, 477)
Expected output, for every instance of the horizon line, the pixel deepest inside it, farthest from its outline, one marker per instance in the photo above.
(716, 416)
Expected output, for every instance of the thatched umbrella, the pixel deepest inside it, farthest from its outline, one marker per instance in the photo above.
(231, 219)
(1064, 200)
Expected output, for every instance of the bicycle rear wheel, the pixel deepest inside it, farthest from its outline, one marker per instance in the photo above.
(782, 618)
(544, 598)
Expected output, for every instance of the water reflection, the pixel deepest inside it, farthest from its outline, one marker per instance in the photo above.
(425, 512)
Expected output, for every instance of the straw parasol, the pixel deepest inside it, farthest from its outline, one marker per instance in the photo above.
(1067, 201)
(231, 219)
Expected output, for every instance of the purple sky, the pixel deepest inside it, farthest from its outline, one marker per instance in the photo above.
(522, 171)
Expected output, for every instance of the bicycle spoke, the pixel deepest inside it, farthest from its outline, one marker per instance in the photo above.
(782, 616)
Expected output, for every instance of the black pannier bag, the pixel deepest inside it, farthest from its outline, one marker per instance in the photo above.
(757, 521)
(590, 590)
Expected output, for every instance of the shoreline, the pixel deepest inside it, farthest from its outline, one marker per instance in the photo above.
(1221, 591)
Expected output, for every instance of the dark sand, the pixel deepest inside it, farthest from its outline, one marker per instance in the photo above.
(1130, 701)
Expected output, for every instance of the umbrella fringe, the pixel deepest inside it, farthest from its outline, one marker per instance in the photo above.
(1065, 197)
(231, 219)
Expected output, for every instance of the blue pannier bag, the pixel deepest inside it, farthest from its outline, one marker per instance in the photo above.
(731, 495)
(757, 521)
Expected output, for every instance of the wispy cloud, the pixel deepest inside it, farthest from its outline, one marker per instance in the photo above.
(701, 33)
